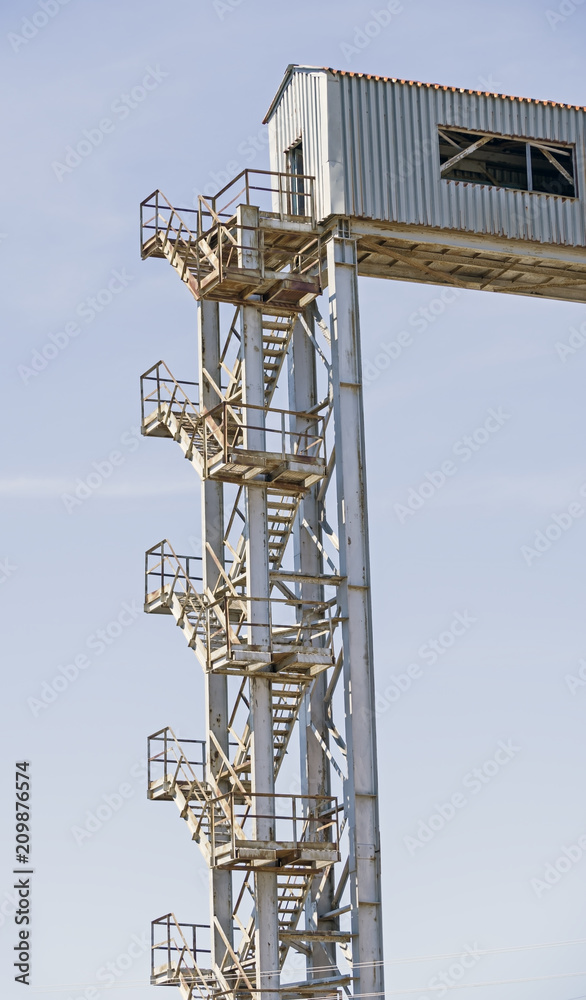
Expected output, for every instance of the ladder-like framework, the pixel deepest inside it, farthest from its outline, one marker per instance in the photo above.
(266, 610)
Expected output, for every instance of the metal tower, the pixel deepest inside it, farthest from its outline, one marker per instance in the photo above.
(281, 793)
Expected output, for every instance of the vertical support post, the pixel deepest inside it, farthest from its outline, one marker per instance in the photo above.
(216, 686)
(258, 587)
(361, 792)
(315, 766)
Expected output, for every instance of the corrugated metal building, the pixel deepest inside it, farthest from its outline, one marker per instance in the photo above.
(446, 171)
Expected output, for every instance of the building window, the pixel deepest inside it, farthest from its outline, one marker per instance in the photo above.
(500, 161)
(295, 168)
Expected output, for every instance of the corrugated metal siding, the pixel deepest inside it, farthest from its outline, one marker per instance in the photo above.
(392, 161)
(301, 113)
(390, 155)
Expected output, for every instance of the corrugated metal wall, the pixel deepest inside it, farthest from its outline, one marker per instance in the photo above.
(302, 113)
(390, 157)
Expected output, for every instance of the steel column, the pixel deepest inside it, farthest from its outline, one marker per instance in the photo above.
(361, 792)
(258, 587)
(216, 687)
(315, 766)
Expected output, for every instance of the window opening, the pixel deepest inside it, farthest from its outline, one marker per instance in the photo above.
(295, 167)
(501, 161)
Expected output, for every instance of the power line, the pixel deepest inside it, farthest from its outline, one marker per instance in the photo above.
(139, 984)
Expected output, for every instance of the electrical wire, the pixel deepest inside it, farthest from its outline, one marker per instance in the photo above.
(134, 984)
(138, 984)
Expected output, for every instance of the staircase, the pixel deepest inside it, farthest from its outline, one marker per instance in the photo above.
(278, 273)
(286, 701)
(215, 440)
(212, 263)
(217, 626)
(304, 836)
(195, 800)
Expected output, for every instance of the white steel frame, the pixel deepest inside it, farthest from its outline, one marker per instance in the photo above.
(336, 923)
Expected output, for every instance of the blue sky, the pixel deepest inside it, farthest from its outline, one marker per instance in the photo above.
(511, 678)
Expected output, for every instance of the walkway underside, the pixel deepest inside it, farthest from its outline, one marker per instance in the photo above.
(500, 265)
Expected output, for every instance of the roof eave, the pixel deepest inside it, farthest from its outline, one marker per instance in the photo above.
(291, 68)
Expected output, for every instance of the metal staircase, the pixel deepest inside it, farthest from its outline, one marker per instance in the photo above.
(305, 835)
(210, 249)
(178, 960)
(214, 824)
(300, 640)
(272, 647)
(215, 440)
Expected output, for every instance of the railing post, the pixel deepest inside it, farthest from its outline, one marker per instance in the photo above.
(205, 447)
(225, 429)
(282, 435)
(165, 756)
(168, 943)
(232, 824)
(281, 200)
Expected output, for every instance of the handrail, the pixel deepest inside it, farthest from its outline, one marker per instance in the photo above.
(311, 820)
(290, 193)
(225, 622)
(226, 424)
(170, 945)
(167, 736)
(158, 570)
(213, 241)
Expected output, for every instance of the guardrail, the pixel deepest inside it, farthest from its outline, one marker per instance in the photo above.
(165, 568)
(282, 194)
(301, 821)
(207, 240)
(176, 947)
(166, 756)
(225, 428)
(295, 436)
(160, 390)
(235, 621)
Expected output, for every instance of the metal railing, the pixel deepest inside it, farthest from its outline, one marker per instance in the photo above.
(224, 429)
(213, 243)
(177, 948)
(167, 758)
(280, 193)
(181, 948)
(286, 622)
(302, 821)
(230, 622)
(160, 390)
(229, 425)
(163, 568)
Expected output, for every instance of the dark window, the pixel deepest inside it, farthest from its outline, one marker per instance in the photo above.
(500, 161)
(295, 167)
